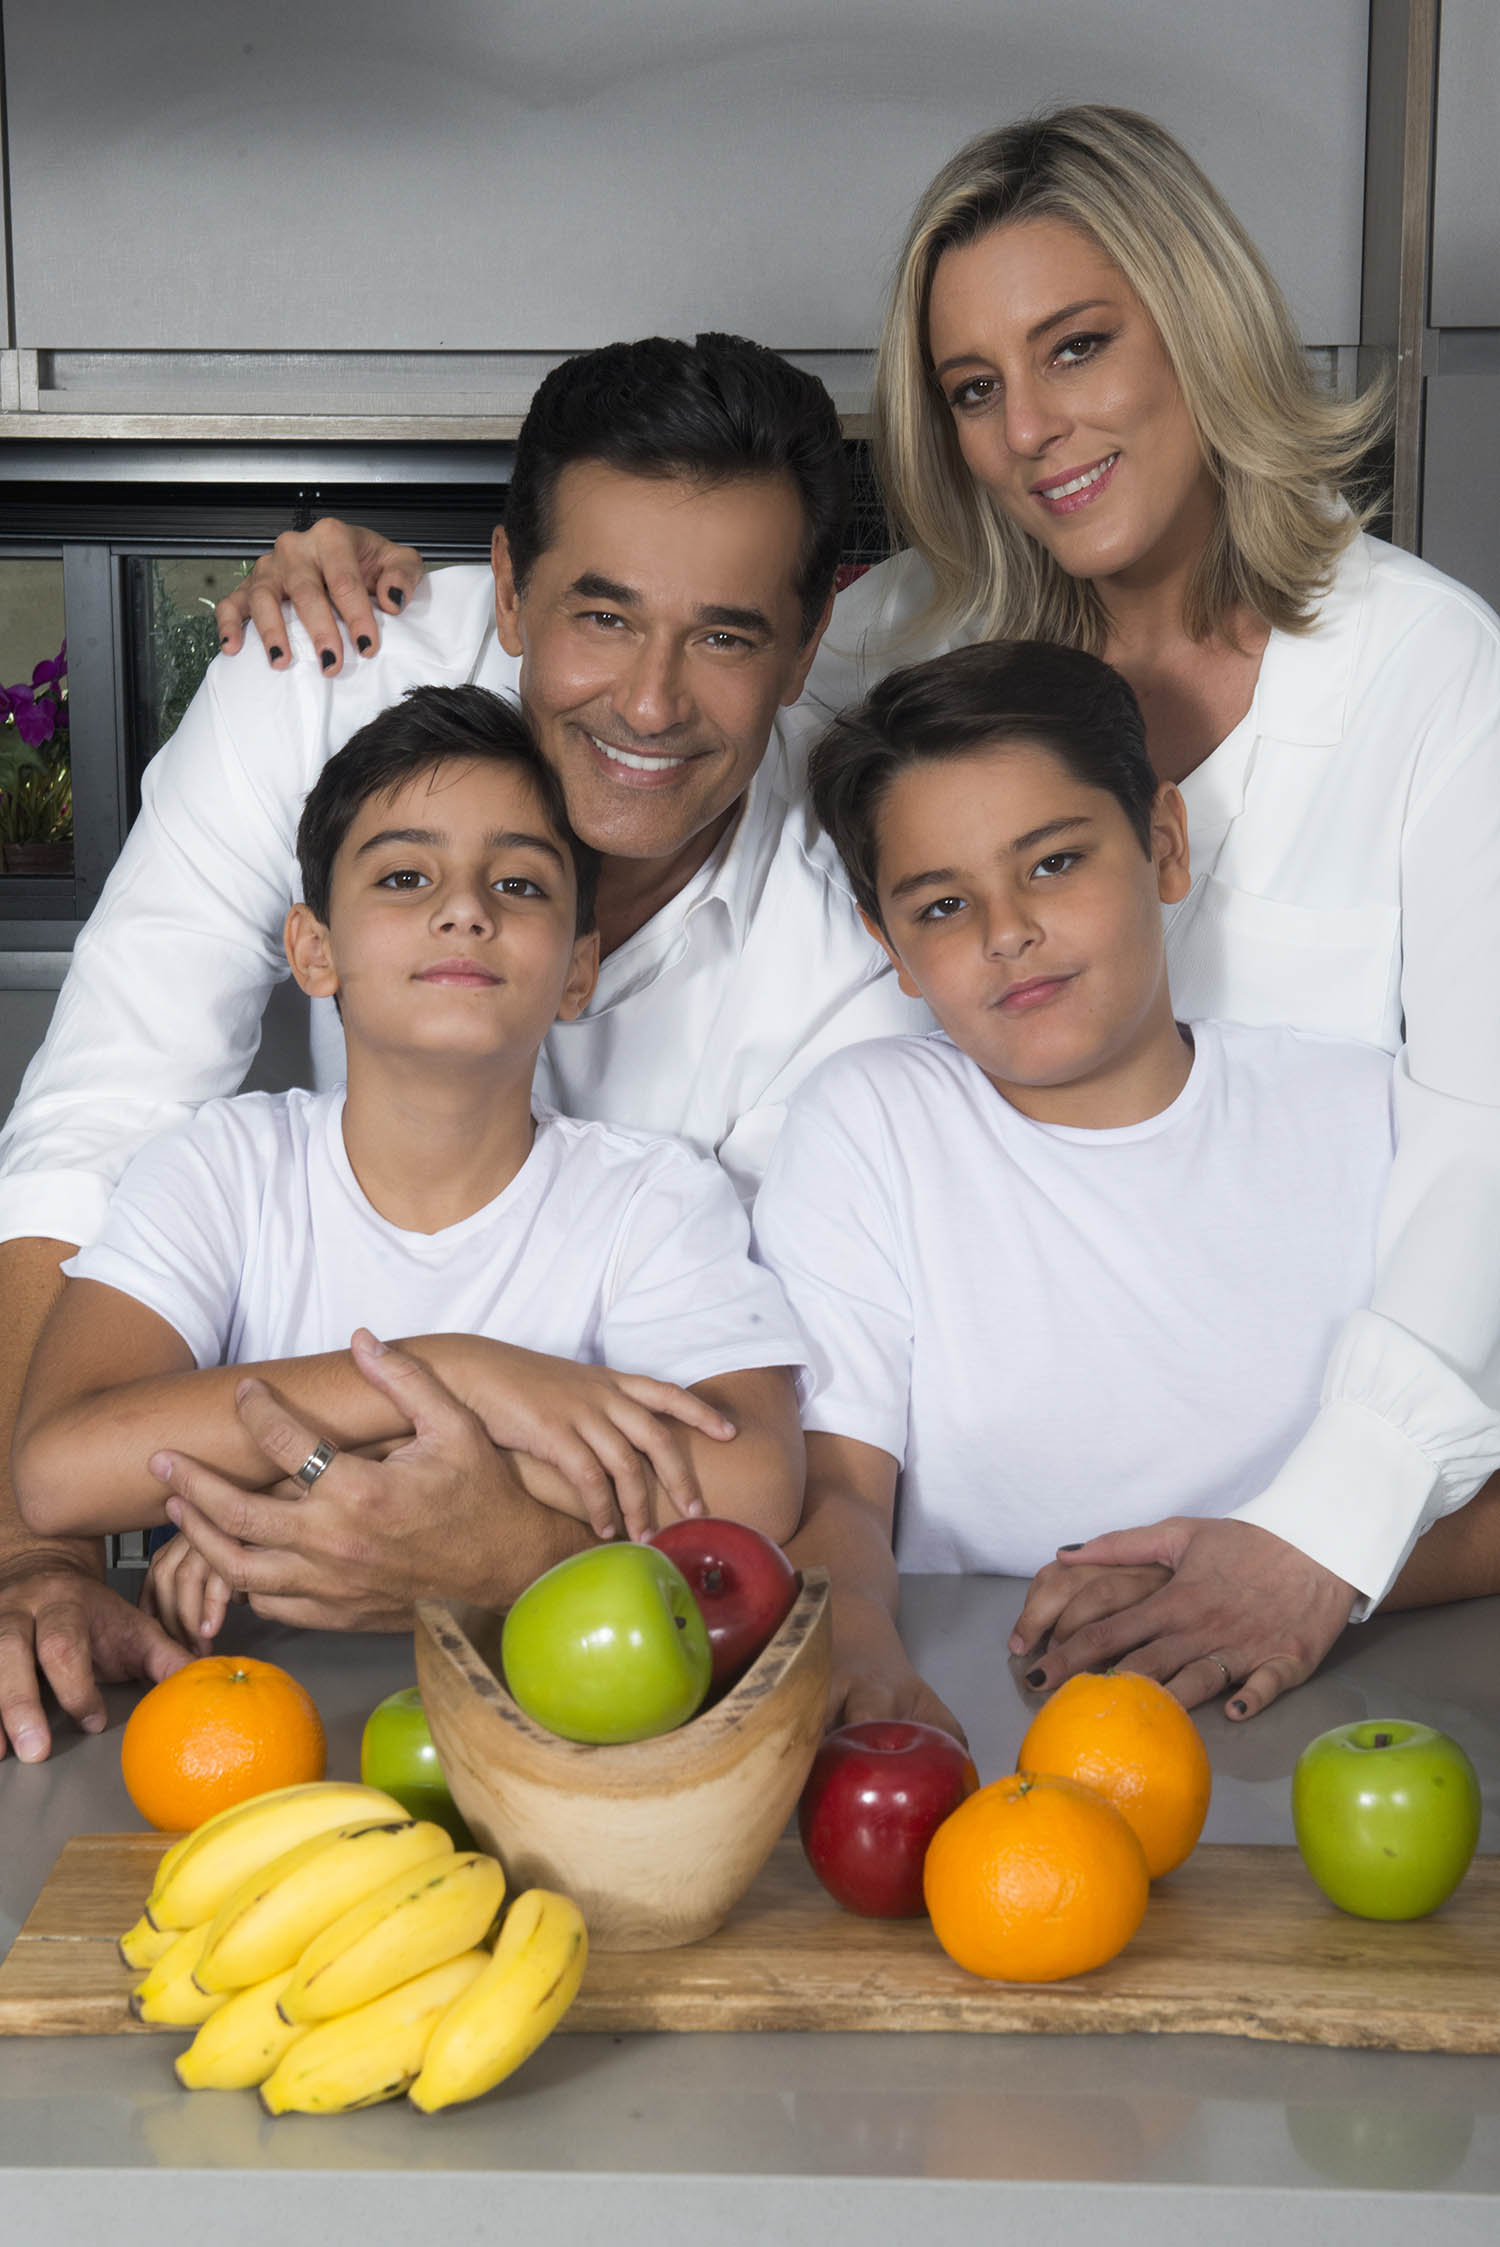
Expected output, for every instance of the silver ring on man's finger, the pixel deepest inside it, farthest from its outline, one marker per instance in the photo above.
(318, 1458)
(1217, 1660)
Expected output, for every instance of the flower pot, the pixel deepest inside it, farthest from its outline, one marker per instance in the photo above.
(37, 858)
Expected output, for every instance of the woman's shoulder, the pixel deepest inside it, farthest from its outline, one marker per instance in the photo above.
(1398, 590)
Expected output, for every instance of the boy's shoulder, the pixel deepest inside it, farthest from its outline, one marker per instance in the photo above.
(883, 1072)
(256, 1128)
(621, 1151)
(1306, 1058)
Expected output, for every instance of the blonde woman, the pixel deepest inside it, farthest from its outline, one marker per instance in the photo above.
(1095, 424)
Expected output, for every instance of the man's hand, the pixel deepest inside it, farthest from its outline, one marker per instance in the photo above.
(333, 566)
(1062, 1599)
(442, 1517)
(60, 1622)
(606, 1433)
(872, 1676)
(1243, 1612)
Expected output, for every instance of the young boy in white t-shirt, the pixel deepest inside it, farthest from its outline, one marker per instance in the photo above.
(1064, 1265)
(585, 1289)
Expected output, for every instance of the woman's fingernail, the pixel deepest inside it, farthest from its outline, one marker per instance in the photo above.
(364, 643)
(277, 655)
(1239, 1708)
(1036, 1677)
(327, 659)
(223, 639)
(396, 597)
(1078, 1548)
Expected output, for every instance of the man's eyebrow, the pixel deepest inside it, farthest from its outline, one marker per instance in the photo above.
(937, 876)
(499, 838)
(592, 587)
(1033, 335)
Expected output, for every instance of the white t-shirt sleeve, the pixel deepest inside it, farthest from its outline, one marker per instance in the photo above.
(825, 1224)
(683, 1298)
(1409, 1424)
(173, 1236)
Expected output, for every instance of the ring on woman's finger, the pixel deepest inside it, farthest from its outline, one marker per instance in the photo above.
(1220, 1663)
(315, 1462)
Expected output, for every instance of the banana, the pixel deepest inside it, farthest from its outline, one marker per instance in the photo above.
(372, 2053)
(269, 1921)
(142, 1945)
(200, 1873)
(169, 1996)
(509, 2009)
(418, 1920)
(241, 2043)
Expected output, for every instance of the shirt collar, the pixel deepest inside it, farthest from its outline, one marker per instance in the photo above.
(1306, 677)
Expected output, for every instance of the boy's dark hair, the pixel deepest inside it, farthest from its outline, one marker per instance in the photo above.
(718, 409)
(430, 726)
(1001, 690)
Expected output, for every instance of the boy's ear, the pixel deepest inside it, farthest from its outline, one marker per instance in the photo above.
(583, 974)
(308, 956)
(1169, 844)
(903, 978)
(507, 599)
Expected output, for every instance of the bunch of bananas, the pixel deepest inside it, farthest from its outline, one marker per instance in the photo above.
(336, 1952)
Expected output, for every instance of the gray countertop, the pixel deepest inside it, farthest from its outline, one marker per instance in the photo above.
(832, 2139)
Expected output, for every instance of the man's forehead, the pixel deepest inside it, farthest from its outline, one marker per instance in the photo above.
(731, 544)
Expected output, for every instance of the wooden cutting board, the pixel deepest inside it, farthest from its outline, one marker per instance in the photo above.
(1238, 1943)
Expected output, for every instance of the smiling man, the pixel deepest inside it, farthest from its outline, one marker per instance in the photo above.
(656, 597)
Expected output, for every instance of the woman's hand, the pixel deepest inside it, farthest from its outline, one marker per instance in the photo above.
(333, 566)
(1062, 1599)
(186, 1595)
(609, 1435)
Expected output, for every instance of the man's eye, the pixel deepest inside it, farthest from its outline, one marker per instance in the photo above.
(1056, 862)
(941, 909)
(606, 619)
(732, 641)
(402, 877)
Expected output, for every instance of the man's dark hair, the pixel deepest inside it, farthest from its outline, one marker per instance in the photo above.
(430, 726)
(1001, 690)
(714, 410)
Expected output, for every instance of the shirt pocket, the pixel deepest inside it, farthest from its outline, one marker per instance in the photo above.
(1336, 969)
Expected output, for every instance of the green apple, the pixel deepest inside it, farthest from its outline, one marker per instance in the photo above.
(1386, 1816)
(397, 1755)
(608, 1646)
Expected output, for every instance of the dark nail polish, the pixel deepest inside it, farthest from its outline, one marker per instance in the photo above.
(223, 639)
(1238, 1707)
(1078, 1548)
(327, 659)
(396, 597)
(363, 643)
(1036, 1677)
(278, 655)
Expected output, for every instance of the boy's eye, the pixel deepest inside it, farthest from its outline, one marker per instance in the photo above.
(402, 877)
(941, 909)
(518, 885)
(1056, 862)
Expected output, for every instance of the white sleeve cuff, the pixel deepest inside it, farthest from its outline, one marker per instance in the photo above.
(1353, 1496)
(54, 1205)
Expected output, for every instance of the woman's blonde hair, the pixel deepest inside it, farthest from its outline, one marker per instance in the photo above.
(1279, 447)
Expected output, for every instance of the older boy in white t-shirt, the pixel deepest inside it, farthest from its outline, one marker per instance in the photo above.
(1064, 1265)
(585, 1289)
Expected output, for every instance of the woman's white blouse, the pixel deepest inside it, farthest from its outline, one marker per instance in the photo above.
(1346, 878)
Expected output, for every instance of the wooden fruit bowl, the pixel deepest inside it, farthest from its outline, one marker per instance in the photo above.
(656, 1841)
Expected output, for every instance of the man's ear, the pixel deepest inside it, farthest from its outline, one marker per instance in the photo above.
(583, 974)
(308, 955)
(903, 977)
(507, 599)
(1169, 844)
(805, 654)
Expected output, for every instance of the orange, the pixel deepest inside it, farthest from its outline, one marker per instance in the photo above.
(1126, 1736)
(215, 1733)
(1034, 1878)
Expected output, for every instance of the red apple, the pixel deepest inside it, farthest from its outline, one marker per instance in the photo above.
(875, 1796)
(743, 1583)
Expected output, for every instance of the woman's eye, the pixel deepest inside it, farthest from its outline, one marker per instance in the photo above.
(941, 909)
(1078, 349)
(402, 877)
(977, 391)
(1056, 862)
